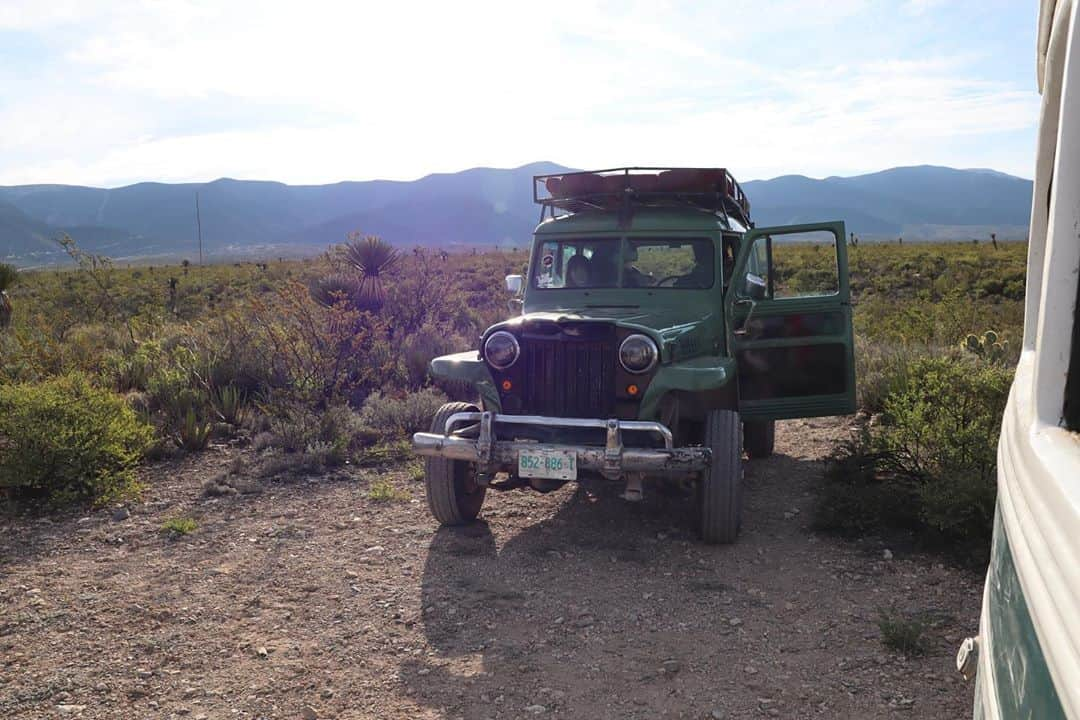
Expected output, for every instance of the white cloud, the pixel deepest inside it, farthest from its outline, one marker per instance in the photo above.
(920, 7)
(325, 91)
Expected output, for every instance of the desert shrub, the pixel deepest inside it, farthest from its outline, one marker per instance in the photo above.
(178, 526)
(171, 391)
(385, 453)
(384, 491)
(345, 428)
(335, 434)
(858, 496)
(929, 462)
(428, 342)
(130, 368)
(903, 632)
(396, 416)
(293, 426)
(326, 454)
(322, 355)
(881, 368)
(334, 288)
(942, 430)
(65, 440)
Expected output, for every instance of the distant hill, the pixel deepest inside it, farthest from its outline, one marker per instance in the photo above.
(481, 206)
(922, 202)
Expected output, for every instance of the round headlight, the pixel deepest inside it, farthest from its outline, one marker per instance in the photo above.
(638, 354)
(501, 349)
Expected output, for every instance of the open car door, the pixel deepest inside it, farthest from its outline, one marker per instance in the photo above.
(789, 322)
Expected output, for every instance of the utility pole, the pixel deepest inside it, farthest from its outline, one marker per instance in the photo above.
(198, 224)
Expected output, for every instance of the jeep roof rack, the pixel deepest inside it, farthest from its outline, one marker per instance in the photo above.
(712, 189)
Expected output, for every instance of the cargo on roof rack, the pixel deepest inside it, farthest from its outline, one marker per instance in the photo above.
(712, 189)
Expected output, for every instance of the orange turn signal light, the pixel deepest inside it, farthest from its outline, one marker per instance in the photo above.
(507, 385)
(632, 389)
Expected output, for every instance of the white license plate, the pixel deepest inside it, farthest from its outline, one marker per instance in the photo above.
(554, 464)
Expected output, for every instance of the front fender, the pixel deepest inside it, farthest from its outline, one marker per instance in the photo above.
(467, 367)
(710, 378)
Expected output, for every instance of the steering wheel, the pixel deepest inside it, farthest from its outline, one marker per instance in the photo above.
(672, 278)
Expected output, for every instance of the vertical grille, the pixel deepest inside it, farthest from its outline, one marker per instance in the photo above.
(569, 377)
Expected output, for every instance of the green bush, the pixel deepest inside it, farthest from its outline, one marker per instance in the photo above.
(942, 431)
(64, 440)
(180, 526)
(384, 491)
(325, 439)
(881, 368)
(396, 416)
(928, 464)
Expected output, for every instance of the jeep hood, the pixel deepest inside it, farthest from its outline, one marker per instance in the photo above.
(666, 324)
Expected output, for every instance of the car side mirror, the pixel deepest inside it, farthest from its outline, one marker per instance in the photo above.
(515, 284)
(756, 286)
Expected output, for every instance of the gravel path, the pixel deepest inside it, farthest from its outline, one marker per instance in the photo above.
(308, 600)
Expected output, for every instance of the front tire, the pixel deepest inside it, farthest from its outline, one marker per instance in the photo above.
(720, 488)
(453, 496)
(759, 437)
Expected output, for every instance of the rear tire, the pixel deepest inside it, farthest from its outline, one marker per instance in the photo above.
(453, 496)
(759, 437)
(720, 488)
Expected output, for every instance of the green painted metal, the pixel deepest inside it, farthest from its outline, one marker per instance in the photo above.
(1021, 675)
(467, 367)
(700, 374)
(688, 324)
(643, 220)
(840, 302)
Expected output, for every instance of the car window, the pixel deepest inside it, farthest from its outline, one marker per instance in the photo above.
(660, 262)
(667, 262)
(577, 263)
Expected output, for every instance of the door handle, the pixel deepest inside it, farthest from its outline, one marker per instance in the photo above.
(744, 329)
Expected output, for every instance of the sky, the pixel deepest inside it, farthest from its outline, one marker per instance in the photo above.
(112, 93)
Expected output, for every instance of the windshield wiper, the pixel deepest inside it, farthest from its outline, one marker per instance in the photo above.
(604, 305)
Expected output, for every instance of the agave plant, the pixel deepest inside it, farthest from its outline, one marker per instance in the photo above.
(373, 258)
(193, 433)
(229, 404)
(8, 277)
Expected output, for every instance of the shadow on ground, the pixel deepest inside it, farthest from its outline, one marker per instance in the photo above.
(579, 611)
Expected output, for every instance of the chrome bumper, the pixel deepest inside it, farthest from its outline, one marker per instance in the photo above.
(613, 460)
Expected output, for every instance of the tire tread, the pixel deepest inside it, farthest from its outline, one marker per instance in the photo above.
(441, 476)
(721, 492)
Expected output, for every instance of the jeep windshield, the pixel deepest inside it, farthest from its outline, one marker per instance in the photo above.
(655, 262)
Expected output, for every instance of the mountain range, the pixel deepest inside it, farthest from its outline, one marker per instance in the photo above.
(481, 206)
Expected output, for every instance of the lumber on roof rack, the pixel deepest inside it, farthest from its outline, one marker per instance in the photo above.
(712, 189)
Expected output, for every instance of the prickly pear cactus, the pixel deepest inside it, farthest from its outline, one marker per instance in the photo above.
(988, 347)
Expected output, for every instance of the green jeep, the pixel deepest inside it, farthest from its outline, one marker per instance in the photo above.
(660, 335)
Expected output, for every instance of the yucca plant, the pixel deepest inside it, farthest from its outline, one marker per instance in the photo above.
(373, 258)
(8, 277)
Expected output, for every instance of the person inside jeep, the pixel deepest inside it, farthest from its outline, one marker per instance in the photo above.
(604, 265)
(577, 271)
(632, 277)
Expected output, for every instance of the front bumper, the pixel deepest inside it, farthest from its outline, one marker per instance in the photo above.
(612, 460)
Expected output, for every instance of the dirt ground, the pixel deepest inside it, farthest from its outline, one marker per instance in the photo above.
(309, 600)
